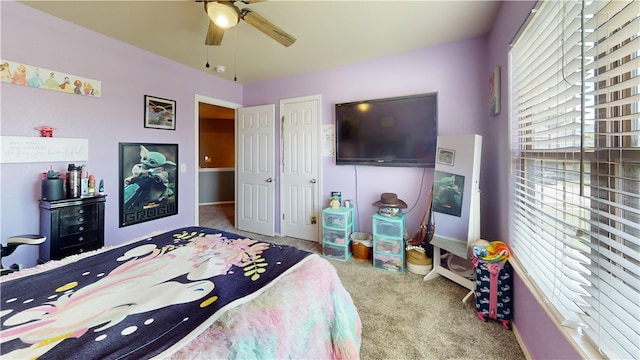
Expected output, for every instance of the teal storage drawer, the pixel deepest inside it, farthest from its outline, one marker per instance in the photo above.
(337, 218)
(388, 246)
(388, 226)
(394, 264)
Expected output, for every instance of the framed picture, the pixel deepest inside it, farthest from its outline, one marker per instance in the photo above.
(159, 113)
(494, 91)
(446, 156)
(447, 193)
(148, 182)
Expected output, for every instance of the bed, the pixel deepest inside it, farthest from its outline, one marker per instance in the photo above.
(190, 293)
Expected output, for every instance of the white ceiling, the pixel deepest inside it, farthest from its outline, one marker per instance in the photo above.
(328, 33)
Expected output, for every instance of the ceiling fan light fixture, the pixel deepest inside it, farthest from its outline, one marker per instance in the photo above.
(222, 15)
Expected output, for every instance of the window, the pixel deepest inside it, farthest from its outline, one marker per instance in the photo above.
(575, 98)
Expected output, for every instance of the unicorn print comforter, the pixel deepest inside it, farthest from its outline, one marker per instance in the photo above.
(189, 293)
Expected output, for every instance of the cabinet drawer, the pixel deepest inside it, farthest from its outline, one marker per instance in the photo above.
(87, 211)
(78, 239)
(77, 228)
(78, 219)
(76, 249)
(388, 246)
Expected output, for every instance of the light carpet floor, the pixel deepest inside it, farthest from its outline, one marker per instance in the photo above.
(403, 316)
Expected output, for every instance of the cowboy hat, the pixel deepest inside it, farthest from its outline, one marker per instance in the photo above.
(390, 200)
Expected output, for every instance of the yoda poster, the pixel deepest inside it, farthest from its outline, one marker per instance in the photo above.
(447, 193)
(148, 182)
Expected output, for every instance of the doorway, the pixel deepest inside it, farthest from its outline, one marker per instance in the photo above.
(301, 124)
(215, 152)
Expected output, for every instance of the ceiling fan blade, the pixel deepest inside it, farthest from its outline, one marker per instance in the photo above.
(266, 27)
(214, 35)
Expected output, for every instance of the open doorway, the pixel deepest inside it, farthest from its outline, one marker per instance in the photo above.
(215, 183)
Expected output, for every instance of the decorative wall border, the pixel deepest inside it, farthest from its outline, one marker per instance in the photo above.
(33, 76)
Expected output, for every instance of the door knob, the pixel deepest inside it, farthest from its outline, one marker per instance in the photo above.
(313, 181)
(269, 180)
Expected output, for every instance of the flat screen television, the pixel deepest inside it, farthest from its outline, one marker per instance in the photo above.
(398, 131)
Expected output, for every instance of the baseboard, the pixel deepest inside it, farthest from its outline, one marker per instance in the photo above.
(217, 203)
(519, 340)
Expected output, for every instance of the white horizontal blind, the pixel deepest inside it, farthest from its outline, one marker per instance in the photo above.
(575, 107)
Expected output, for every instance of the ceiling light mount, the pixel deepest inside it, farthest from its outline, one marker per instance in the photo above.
(223, 15)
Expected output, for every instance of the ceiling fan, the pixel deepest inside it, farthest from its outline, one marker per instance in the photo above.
(225, 14)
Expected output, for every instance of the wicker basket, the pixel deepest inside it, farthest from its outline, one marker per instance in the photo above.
(362, 246)
(418, 262)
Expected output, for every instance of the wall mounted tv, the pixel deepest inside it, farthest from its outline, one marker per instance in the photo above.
(398, 131)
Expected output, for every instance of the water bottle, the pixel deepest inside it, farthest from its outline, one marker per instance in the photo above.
(73, 181)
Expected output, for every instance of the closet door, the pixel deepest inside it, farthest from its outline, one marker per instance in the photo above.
(255, 169)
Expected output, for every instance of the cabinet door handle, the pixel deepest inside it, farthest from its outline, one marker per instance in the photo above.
(81, 219)
(81, 211)
(81, 238)
(81, 228)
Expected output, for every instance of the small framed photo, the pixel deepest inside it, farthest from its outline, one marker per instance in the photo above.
(159, 113)
(446, 156)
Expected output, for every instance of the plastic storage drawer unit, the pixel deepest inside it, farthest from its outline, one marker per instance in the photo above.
(388, 243)
(337, 226)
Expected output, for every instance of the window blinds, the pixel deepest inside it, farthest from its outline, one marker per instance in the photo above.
(575, 98)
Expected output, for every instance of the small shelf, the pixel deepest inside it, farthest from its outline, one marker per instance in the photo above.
(456, 247)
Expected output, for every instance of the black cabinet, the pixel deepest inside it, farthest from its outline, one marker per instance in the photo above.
(72, 226)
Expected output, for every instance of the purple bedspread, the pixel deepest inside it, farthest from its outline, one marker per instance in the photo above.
(137, 300)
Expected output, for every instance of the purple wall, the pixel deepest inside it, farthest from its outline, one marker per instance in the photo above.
(458, 72)
(540, 336)
(127, 74)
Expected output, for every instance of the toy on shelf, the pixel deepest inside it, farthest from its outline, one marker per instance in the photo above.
(46, 130)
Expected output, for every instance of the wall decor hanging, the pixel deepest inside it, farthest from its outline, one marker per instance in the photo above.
(41, 78)
(446, 156)
(447, 193)
(148, 182)
(159, 113)
(494, 91)
(31, 149)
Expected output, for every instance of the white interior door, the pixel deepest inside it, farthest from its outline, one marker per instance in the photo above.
(255, 169)
(301, 167)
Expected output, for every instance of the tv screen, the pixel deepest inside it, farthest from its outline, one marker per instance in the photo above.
(399, 131)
